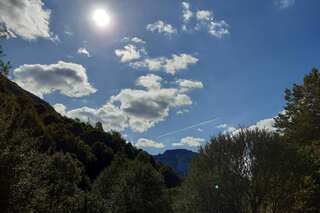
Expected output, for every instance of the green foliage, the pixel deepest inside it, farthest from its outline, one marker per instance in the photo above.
(249, 172)
(300, 124)
(301, 121)
(131, 186)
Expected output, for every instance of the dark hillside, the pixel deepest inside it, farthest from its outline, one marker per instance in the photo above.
(94, 148)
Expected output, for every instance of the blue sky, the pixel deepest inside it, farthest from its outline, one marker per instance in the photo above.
(167, 74)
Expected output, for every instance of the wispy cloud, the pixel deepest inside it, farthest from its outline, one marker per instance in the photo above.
(84, 51)
(129, 53)
(170, 65)
(203, 20)
(283, 4)
(162, 28)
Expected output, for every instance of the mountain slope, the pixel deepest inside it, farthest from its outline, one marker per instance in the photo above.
(178, 159)
(94, 148)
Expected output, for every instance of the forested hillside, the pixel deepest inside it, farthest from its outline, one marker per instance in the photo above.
(52, 163)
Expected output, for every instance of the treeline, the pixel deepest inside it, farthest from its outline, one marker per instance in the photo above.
(50, 163)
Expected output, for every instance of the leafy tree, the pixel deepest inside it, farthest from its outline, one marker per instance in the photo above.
(249, 172)
(19, 184)
(104, 156)
(131, 186)
(62, 176)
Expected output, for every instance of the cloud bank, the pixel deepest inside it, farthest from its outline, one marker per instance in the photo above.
(137, 109)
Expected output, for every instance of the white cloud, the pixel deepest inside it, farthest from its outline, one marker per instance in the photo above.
(110, 116)
(145, 108)
(207, 21)
(143, 142)
(203, 19)
(84, 51)
(150, 81)
(230, 130)
(187, 14)
(265, 124)
(137, 57)
(136, 40)
(179, 62)
(169, 65)
(25, 18)
(130, 53)
(67, 78)
(283, 4)
(222, 126)
(137, 109)
(60, 108)
(162, 28)
(187, 85)
(190, 141)
(204, 15)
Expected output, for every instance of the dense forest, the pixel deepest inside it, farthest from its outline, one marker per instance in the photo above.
(51, 163)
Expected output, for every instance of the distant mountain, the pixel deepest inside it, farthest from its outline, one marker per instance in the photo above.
(178, 159)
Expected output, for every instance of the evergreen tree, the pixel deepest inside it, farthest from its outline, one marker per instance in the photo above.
(300, 124)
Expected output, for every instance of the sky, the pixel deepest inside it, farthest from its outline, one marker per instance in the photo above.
(166, 74)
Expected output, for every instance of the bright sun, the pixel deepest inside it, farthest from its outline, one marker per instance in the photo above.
(101, 18)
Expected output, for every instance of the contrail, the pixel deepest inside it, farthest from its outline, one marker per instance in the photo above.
(186, 128)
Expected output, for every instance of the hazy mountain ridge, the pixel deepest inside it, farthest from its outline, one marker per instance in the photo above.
(178, 159)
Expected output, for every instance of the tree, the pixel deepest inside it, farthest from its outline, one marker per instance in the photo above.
(62, 175)
(249, 172)
(4, 66)
(131, 186)
(300, 124)
(99, 126)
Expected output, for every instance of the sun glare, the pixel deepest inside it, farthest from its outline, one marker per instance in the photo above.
(101, 18)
